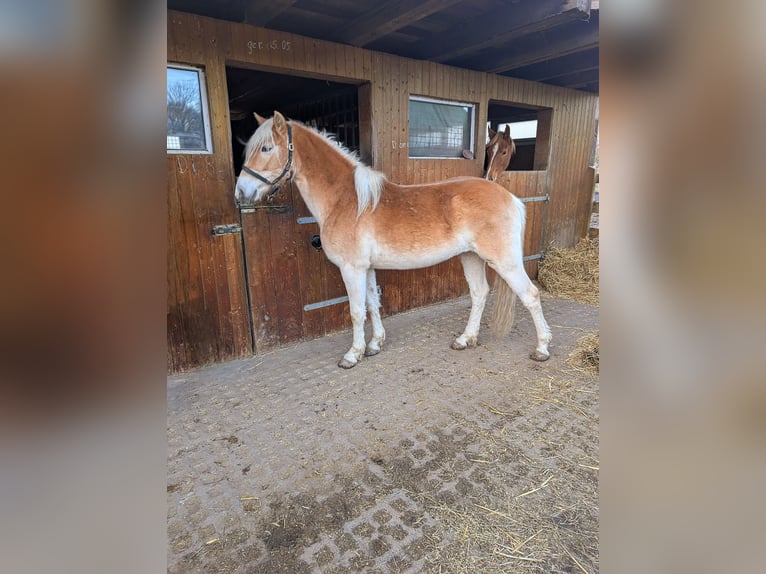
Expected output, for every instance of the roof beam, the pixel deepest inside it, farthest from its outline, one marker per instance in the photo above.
(261, 13)
(584, 37)
(575, 79)
(388, 17)
(544, 71)
(584, 86)
(566, 79)
(512, 22)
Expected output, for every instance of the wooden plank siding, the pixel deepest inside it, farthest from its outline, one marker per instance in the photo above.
(208, 318)
(208, 315)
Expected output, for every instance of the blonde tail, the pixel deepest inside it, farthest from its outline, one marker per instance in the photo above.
(504, 310)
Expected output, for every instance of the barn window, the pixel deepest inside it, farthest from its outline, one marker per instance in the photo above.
(188, 118)
(530, 129)
(441, 129)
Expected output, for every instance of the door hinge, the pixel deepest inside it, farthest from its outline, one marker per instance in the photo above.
(228, 229)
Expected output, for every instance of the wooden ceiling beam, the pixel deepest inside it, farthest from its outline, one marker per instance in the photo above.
(388, 17)
(584, 86)
(259, 13)
(565, 79)
(583, 37)
(576, 79)
(547, 70)
(513, 22)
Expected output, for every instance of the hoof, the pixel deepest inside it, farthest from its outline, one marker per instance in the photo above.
(538, 356)
(459, 345)
(371, 351)
(346, 364)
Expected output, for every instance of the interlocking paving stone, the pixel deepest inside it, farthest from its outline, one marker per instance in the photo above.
(286, 463)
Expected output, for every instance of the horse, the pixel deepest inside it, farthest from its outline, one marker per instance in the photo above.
(500, 150)
(367, 222)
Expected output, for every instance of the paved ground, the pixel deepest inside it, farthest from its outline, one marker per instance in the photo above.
(421, 459)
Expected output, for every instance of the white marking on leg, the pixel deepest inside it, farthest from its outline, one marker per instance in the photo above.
(356, 285)
(373, 306)
(519, 281)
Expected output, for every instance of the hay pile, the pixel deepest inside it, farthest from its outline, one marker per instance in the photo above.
(554, 535)
(515, 520)
(585, 357)
(572, 273)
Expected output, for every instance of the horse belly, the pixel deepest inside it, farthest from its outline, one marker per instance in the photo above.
(413, 258)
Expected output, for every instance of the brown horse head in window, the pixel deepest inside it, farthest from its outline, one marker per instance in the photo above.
(500, 150)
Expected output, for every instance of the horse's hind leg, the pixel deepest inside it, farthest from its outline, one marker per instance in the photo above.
(475, 274)
(356, 287)
(373, 306)
(519, 281)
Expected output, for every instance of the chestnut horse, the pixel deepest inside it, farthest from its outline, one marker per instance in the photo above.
(367, 222)
(500, 150)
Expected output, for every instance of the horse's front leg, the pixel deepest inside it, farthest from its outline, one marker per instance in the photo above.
(355, 280)
(373, 306)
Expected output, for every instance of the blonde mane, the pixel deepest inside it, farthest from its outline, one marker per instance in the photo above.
(368, 182)
(369, 186)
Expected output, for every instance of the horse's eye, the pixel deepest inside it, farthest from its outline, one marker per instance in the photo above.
(265, 149)
(505, 152)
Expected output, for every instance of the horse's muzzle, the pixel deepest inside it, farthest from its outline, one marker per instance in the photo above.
(243, 201)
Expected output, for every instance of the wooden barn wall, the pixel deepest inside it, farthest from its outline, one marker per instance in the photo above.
(207, 318)
(207, 300)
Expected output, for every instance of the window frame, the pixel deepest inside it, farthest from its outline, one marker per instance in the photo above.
(473, 119)
(202, 83)
(543, 140)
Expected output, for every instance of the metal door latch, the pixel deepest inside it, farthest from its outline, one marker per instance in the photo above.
(228, 229)
(278, 208)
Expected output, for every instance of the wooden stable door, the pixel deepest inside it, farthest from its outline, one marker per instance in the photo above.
(295, 292)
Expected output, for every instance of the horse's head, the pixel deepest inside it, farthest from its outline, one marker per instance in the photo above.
(268, 160)
(500, 149)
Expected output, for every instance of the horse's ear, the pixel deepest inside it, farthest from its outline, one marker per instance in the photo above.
(508, 131)
(259, 119)
(279, 127)
(491, 133)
